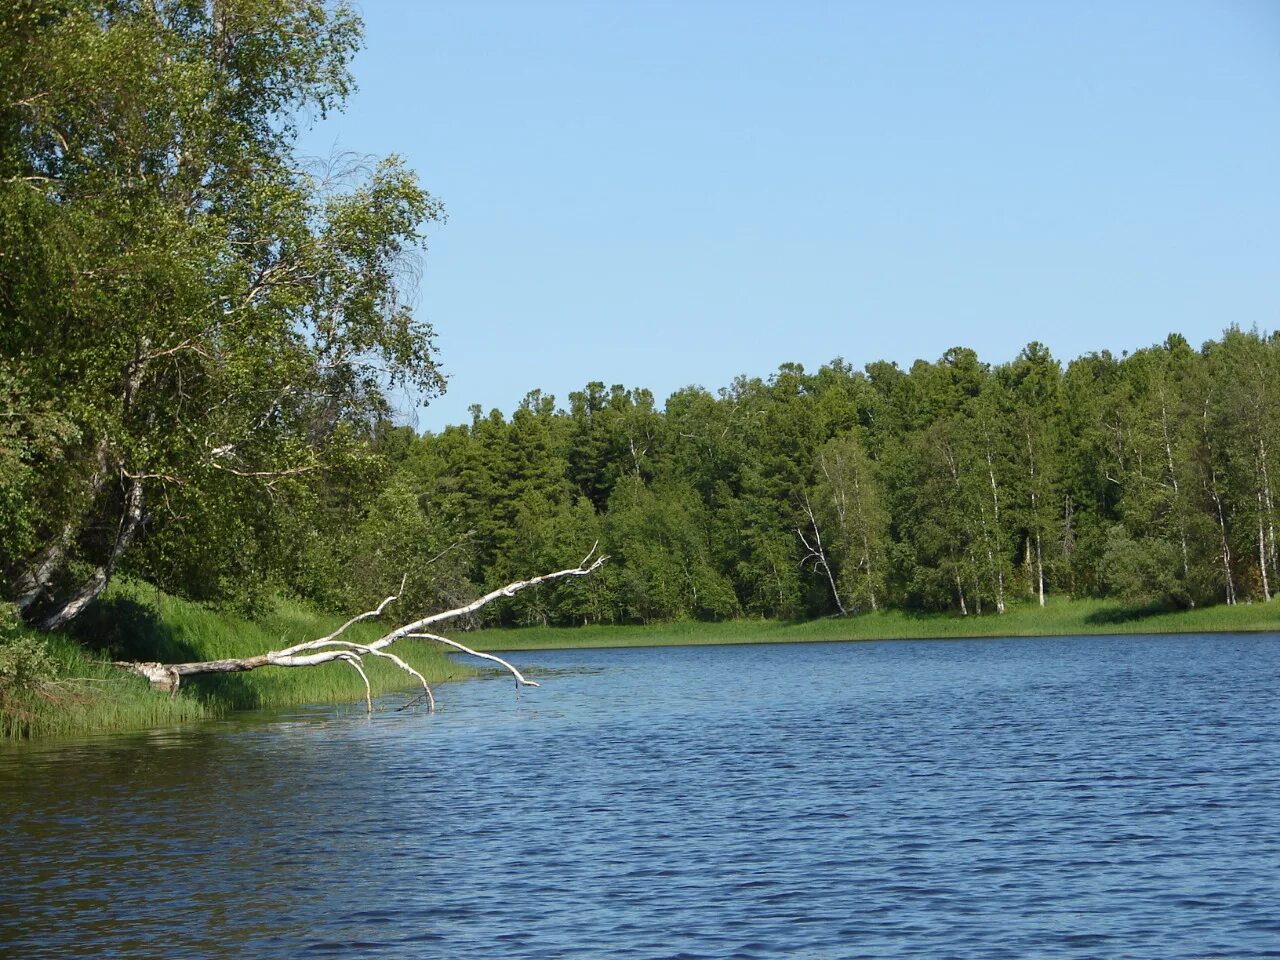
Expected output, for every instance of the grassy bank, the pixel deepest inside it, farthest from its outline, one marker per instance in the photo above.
(1060, 617)
(77, 691)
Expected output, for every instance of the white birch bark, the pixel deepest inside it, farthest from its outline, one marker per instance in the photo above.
(69, 609)
(330, 648)
(818, 554)
(1211, 487)
(1177, 493)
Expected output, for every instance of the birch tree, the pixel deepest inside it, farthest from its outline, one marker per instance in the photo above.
(192, 301)
(851, 505)
(1032, 385)
(1245, 415)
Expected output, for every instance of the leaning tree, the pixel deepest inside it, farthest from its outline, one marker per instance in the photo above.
(185, 305)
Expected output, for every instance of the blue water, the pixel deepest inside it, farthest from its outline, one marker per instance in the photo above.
(1077, 797)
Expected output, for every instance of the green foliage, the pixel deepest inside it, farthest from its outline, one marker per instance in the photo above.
(204, 330)
(25, 661)
(952, 486)
(1143, 572)
(33, 439)
(849, 504)
(660, 536)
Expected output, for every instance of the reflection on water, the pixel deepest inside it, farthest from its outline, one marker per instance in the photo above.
(1083, 797)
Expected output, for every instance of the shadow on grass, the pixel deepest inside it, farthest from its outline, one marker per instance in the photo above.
(1128, 614)
(122, 628)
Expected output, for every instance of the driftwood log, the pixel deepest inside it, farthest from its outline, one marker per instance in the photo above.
(311, 653)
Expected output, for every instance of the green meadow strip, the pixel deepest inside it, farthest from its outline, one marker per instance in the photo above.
(1060, 617)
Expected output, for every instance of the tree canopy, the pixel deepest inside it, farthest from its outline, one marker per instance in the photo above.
(193, 318)
(954, 485)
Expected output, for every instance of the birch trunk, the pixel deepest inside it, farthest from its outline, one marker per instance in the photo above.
(1211, 487)
(1269, 506)
(1262, 557)
(998, 574)
(1040, 568)
(69, 609)
(37, 580)
(1035, 515)
(1177, 493)
(818, 554)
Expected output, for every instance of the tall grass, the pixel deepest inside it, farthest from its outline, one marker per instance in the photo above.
(83, 694)
(1060, 617)
(135, 622)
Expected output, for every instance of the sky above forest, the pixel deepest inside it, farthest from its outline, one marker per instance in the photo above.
(670, 193)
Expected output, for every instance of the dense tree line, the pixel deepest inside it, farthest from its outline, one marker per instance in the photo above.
(199, 331)
(955, 485)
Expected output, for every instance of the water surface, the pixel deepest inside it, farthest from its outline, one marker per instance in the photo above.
(1075, 797)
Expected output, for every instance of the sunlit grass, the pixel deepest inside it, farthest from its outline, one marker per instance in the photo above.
(87, 694)
(1060, 617)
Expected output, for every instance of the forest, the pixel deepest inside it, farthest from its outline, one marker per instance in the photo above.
(201, 333)
(954, 485)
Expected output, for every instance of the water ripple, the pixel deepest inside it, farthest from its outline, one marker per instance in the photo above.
(1076, 797)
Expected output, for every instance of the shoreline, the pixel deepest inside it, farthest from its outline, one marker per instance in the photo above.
(108, 701)
(1057, 619)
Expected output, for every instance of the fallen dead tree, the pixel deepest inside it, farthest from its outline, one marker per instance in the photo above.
(330, 648)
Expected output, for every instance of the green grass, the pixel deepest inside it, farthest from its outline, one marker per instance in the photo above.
(135, 622)
(1060, 617)
(86, 694)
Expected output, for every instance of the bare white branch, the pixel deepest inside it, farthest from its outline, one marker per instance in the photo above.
(367, 615)
(521, 679)
(329, 648)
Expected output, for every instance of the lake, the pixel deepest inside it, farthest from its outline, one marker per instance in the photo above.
(1073, 797)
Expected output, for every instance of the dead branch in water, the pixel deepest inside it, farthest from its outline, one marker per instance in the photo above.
(330, 648)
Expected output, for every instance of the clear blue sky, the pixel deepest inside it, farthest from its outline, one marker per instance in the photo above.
(660, 194)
